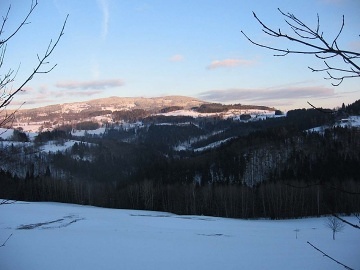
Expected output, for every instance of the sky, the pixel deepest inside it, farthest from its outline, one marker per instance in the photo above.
(151, 48)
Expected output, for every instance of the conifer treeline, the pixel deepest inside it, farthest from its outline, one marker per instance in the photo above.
(271, 169)
(267, 175)
(273, 200)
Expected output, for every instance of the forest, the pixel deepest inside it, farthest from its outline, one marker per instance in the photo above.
(274, 168)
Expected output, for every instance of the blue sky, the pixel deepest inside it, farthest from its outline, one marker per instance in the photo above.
(195, 48)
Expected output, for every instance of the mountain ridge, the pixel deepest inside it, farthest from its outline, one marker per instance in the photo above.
(123, 103)
(114, 109)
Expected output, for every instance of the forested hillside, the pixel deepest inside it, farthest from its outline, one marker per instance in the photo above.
(304, 164)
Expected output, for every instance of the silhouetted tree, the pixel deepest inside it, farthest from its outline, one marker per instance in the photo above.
(8, 77)
(335, 225)
(314, 43)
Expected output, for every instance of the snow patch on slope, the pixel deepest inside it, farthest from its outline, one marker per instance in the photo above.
(5, 133)
(212, 145)
(234, 114)
(351, 121)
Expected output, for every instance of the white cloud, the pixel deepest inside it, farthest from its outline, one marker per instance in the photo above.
(334, 1)
(228, 63)
(104, 6)
(43, 96)
(272, 95)
(96, 84)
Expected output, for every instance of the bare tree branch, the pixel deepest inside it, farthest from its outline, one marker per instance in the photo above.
(24, 22)
(321, 109)
(331, 258)
(8, 77)
(314, 43)
(42, 61)
(347, 222)
(3, 244)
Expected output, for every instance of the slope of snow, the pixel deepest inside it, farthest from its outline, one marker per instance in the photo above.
(212, 145)
(50, 146)
(61, 236)
(5, 144)
(259, 114)
(351, 121)
(53, 146)
(81, 133)
(187, 113)
(30, 127)
(186, 145)
(5, 133)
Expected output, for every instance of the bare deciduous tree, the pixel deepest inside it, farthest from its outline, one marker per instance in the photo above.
(335, 225)
(314, 43)
(8, 77)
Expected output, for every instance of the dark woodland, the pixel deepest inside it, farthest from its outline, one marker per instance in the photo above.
(274, 168)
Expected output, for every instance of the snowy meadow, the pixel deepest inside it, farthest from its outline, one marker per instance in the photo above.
(63, 236)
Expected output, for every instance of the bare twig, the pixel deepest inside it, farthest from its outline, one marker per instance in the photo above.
(331, 258)
(6, 96)
(2, 203)
(42, 61)
(24, 22)
(314, 43)
(3, 244)
(321, 109)
(347, 222)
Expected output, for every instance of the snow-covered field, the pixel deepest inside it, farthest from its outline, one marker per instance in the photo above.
(351, 121)
(62, 236)
(235, 114)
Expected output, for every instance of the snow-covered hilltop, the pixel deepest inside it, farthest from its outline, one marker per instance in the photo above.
(180, 122)
(113, 110)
